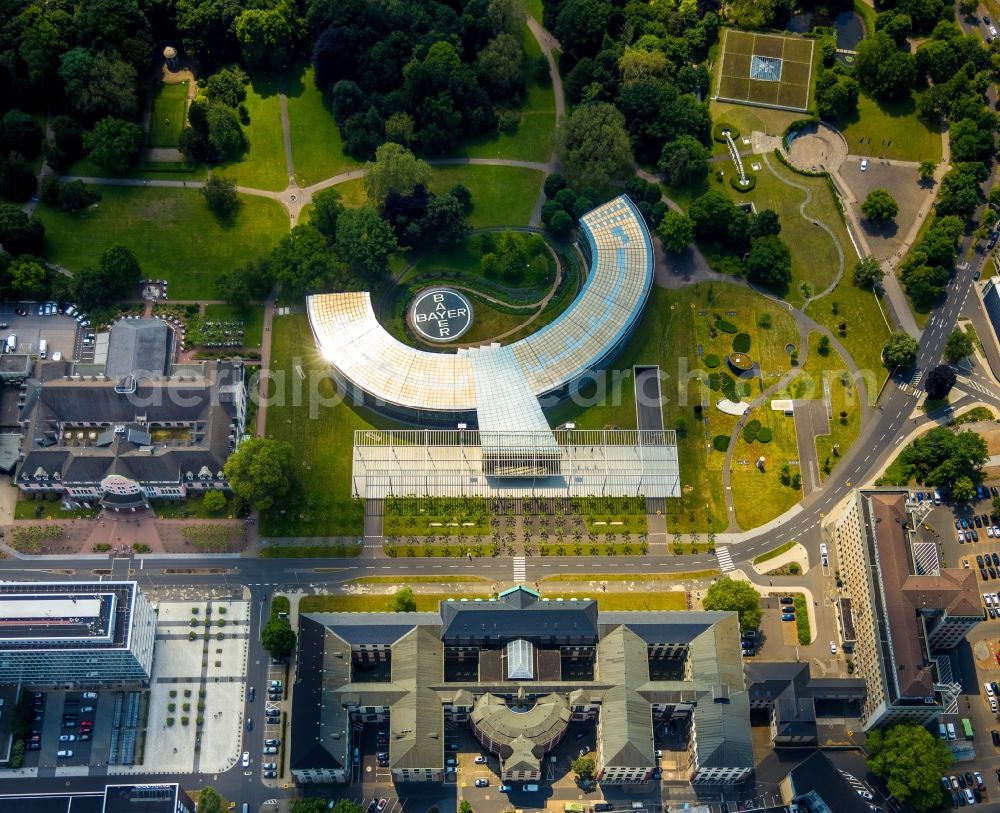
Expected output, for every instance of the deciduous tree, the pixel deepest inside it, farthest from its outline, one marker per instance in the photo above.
(594, 146)
(261, 471)
(882, 69)
(880, 206)
(209, 800)
(395, 169)
(19, 233)
(365, 240)
(403, 601)
(900, 350)
(735, 596)
(868, 273)
(221, 196)
(911, 761)
(278, 637)
(676, 230)
(958, 346)
(769, 261)
(114, 143)
(939, 382)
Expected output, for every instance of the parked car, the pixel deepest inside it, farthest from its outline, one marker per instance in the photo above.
(864, 164)
(252, 694)
(382, 803)
(482, 783)
(480, 759)
(270, 749)
(64, 754)
(269, 766)
(90, 695)
(270, 775)
(67, 738)
(272, 742)
(833, 647)
(788, 616)
(787, 600)
(584, 751)
(246, 759)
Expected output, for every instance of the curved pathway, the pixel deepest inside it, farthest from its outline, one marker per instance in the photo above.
(802, 211)
(539, 305)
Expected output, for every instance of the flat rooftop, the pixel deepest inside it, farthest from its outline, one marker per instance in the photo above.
(62, 615)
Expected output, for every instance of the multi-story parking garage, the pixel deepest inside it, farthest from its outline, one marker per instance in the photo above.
(498, 440)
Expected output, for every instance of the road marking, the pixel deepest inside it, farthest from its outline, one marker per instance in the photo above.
(520, 569)
(724, 557)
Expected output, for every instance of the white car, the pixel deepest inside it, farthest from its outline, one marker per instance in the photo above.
(90, 695)
(67, 738)
(961, 536)
(989, 688)
(864, 164)
(823, 550)
(64, 754)
(864, 794)
(989, 531)
(833, 647)
(988, 598)
(246, 759)
(993, 31)
(480, 759)
(993, 705)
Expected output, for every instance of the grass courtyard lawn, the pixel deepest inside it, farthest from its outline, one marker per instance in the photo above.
(193, 508)
(501, 196)
(843, 396)
(317, 148)
(252, 319)
(263, 164)
(142, 170)
(170, 231)
(535, 9)
(533, 139)
(50, 509)
(169, 112)
(670, 600)
(321, 430)
(867, 331)
(746, 120)
(815, 261)
(668, 336)
(759, 497)
(907, 137)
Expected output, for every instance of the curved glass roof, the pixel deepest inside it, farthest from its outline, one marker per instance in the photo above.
(581, 338)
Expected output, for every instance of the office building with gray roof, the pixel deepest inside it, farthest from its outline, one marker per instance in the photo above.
(137, 428)
(519, 670)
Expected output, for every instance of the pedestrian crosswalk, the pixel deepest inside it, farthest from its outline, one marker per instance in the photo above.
(968, 382)
(520, 570)
(916, 379)
(724, 557)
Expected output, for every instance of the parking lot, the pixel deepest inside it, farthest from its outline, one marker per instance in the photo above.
(68, 724)
(63, 334)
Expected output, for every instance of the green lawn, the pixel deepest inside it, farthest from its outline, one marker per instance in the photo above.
(501, 196)
(534, 137)
(843, 396)
(746, 120)
(759, 497)
(143, 170)
(252, 318)
(317, 149)
(168, 115)
(774, 553)
(909, 139)
(263, 165)
(169, 230)
(814, 256)
(193, 508)
(321, 430)
(866, 328)
(669, 335)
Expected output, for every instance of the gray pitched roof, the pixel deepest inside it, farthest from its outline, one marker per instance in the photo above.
(140, 348)
(626, 719)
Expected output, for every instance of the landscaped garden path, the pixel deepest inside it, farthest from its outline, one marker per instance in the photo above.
(671, 271)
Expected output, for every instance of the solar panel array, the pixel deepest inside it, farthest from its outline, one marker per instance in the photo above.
(351, 338)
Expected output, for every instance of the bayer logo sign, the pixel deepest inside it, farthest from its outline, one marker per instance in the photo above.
(441, 314)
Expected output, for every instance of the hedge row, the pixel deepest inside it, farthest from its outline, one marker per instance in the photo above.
(741, 342)
(725, 326)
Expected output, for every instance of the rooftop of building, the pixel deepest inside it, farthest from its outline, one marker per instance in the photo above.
(140, 348)
(40, 615)
(622, 682)
(80, 430)
(352, 339)
(817, 774)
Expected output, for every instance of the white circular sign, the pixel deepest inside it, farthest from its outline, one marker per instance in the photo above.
(441, 314)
